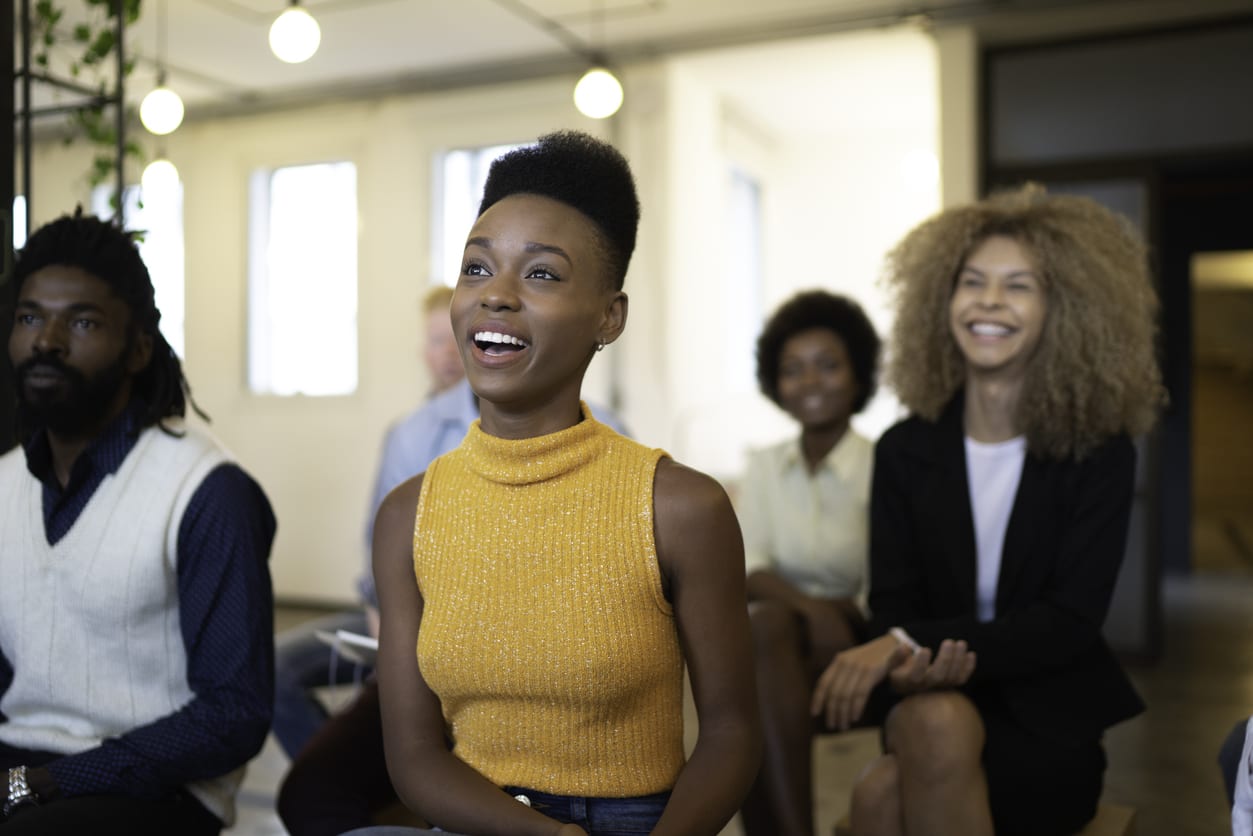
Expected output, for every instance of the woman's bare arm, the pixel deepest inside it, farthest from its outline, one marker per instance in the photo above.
(702, 556)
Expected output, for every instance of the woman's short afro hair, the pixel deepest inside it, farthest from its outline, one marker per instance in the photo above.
(582, 172)
(819, 309)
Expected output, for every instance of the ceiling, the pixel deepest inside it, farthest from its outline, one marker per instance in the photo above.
(218, 59)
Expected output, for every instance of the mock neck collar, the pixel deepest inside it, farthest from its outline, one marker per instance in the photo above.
(527, 461)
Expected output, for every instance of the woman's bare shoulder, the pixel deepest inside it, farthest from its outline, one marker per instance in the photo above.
(686, 494)
(400, 505)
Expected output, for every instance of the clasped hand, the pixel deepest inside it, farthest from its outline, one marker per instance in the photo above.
(844, 687)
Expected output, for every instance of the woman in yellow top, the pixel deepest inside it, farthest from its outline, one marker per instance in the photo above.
(554, 576)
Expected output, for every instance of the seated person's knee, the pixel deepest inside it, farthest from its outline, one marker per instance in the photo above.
(938, 731)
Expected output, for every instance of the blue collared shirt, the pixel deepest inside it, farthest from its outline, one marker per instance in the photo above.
(225, 615)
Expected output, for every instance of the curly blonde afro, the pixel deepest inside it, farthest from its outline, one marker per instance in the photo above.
(1094, 373)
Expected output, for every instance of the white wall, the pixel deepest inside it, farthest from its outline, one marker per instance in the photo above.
(828, 150)
(833, 204)
(957, 64)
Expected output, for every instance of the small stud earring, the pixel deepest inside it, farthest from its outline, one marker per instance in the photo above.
(600, 345)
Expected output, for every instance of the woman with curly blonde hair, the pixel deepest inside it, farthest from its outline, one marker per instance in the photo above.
(1023, 346)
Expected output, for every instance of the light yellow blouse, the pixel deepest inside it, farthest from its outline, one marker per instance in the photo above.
(812, 530)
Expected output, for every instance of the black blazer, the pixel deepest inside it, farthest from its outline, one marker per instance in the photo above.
(1043, 656)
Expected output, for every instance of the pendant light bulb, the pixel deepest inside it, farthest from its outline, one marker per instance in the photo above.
(295, 35)
(161, 111)
(159, 177)
(598, 95)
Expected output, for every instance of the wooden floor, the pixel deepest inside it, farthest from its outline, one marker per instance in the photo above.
(1164, 762)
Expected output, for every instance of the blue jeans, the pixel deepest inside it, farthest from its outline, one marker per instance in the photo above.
(599, 816)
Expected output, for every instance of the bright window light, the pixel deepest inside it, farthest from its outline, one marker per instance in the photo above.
(302, 285)
(460, 175)
(920, 169)
(158, 217)
(744, 278)
(19, 222)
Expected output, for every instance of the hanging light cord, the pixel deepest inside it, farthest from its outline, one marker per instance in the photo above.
(161, 45)
(598, 29)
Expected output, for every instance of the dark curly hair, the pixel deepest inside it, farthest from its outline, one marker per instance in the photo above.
(582, 172)
(111, 255)
(820, 309)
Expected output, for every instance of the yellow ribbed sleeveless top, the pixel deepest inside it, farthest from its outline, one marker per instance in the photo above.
(545, 632)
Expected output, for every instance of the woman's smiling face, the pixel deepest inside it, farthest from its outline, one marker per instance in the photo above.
(533, 302)
(998, 307)
(816, 385)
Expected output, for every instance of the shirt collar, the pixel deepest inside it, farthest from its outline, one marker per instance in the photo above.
(838, 460)
(105, 454)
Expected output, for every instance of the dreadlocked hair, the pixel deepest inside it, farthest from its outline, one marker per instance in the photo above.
(111, 254)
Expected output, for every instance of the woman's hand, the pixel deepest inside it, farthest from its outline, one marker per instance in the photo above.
(571, 830)
(844, 687)
(952, 668)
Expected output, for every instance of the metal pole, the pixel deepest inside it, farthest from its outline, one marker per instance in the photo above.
(26, 132)
(120, 45)
(8, 398)
(7, 157)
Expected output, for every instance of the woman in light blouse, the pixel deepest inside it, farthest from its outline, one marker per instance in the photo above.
(804, 515)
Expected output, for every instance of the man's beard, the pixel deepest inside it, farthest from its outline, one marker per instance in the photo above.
(74, 408)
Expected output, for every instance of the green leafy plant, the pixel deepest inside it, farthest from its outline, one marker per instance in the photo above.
(86, 50)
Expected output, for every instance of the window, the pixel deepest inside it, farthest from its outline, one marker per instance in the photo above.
(302, 289)
(743, 279)
(460, 175)
(159, 220)
(19, 222)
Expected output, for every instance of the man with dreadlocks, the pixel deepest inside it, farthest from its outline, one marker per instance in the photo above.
(136, 644)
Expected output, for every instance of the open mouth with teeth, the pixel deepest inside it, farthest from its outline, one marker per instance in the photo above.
(494, 344)
(990, 329)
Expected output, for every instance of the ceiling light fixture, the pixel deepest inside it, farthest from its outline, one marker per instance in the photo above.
(598, 95)
(295, 35)
(160, 176)
(161, 111)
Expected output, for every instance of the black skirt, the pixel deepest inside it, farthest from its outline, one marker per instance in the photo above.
(1038, 785)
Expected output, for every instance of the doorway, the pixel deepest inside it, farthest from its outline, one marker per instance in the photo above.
(1222, 411)
(1207, 326)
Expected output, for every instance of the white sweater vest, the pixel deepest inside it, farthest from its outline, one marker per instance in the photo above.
(91, 624)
